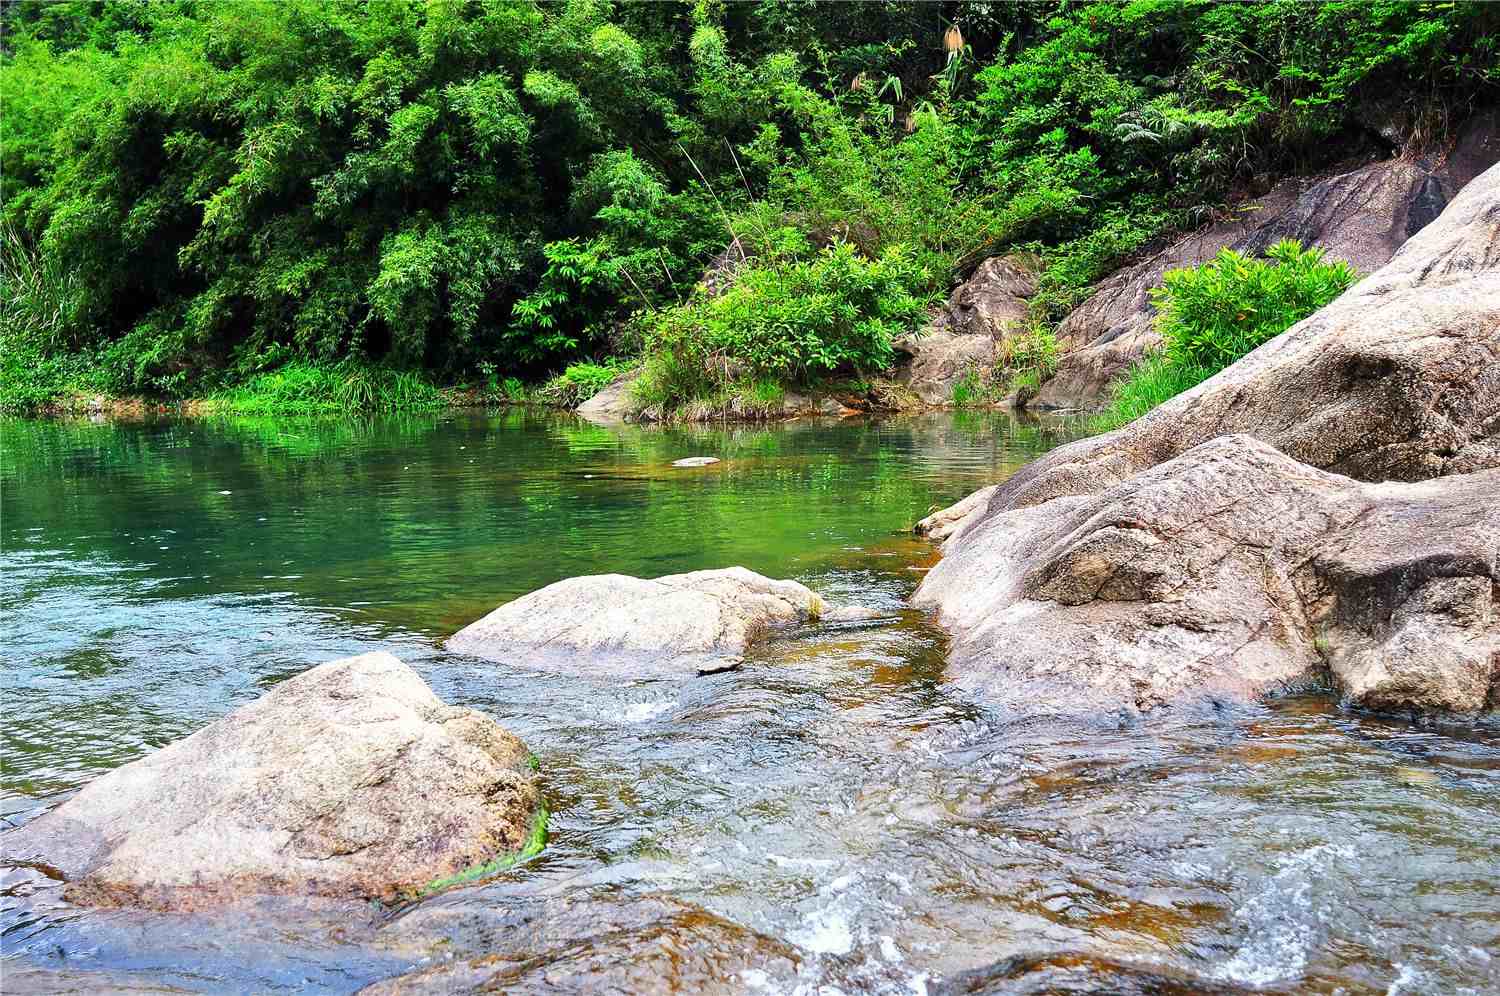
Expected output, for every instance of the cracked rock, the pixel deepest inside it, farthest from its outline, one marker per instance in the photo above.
(1229, 572)
(351, 779)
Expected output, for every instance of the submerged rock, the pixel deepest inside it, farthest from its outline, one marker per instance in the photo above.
(1364, 216)
(594, 943)
(962, 339)
(1229, 571)
(620, 625)
(703, 461)
(351, 779)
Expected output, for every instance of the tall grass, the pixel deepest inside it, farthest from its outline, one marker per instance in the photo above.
(319, 389)
(1155, 379)
(35, 367)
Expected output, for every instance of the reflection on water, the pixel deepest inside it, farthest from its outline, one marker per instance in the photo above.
(828, 816)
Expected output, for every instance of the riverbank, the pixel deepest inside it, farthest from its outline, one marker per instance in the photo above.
(842, 398)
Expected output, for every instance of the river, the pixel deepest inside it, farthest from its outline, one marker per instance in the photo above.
(828, 818)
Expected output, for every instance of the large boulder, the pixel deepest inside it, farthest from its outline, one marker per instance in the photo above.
(351, 779)
(613, 624)
(1399, 378)
(962, 339)
(1362, 216)
(1229, 571)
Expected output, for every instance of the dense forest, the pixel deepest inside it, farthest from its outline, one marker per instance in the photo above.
(355, 201)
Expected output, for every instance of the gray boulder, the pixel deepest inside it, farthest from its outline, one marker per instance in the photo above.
(1399, 378)
(614, 624)
(1229, 571)
(351, 780)
(1362, 216)
(963, 338)
(613, 404)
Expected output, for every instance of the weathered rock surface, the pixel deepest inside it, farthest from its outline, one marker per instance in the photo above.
(1362, 216)
(619, 625)
(962, 338)
(1229, 571)
(613, 404)
(648, 944)
(1398, 379)
(352, 779)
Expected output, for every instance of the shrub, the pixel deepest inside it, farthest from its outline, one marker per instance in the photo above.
(1028, 358)
(1211, 315)
(788, 321)
(578, 383)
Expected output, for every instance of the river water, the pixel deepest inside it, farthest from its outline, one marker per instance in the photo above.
(828, 818)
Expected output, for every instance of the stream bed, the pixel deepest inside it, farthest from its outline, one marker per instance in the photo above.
(828, 818)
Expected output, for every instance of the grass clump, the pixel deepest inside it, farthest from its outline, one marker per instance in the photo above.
(1210, 316)
(315, 389)
(533, 846)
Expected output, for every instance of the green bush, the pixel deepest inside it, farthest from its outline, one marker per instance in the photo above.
(789, 322)
(578, 383)
(1211, 315)
(210, 189)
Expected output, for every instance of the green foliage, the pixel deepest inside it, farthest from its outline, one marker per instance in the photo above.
(312, 389)
(1027, 358)
(1211, 315)
(578, 383)
(1154, 379)
(787, 322)
(196, 192)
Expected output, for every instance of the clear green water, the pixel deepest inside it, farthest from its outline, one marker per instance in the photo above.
(832, 798)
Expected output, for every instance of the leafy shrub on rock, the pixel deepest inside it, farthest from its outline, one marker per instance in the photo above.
(1211, 315)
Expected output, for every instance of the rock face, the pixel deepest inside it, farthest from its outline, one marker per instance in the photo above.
(961, 340)
(649, 944)
(613, 624)
(1229, 571)
(1398, 379)
(1362, 216)
(351, 779)
(612, 404)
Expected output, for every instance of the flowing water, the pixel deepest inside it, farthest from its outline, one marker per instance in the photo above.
(828, 818)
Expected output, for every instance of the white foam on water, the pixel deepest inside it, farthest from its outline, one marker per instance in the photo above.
(641, 712)
(781, 861)
(1406, 978)
(1283, 920)
(825, 931)
(888, 949)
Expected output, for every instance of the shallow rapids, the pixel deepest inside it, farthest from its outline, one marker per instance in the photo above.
(828, 818)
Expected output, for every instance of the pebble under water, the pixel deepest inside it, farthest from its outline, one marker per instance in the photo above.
(828, 818)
